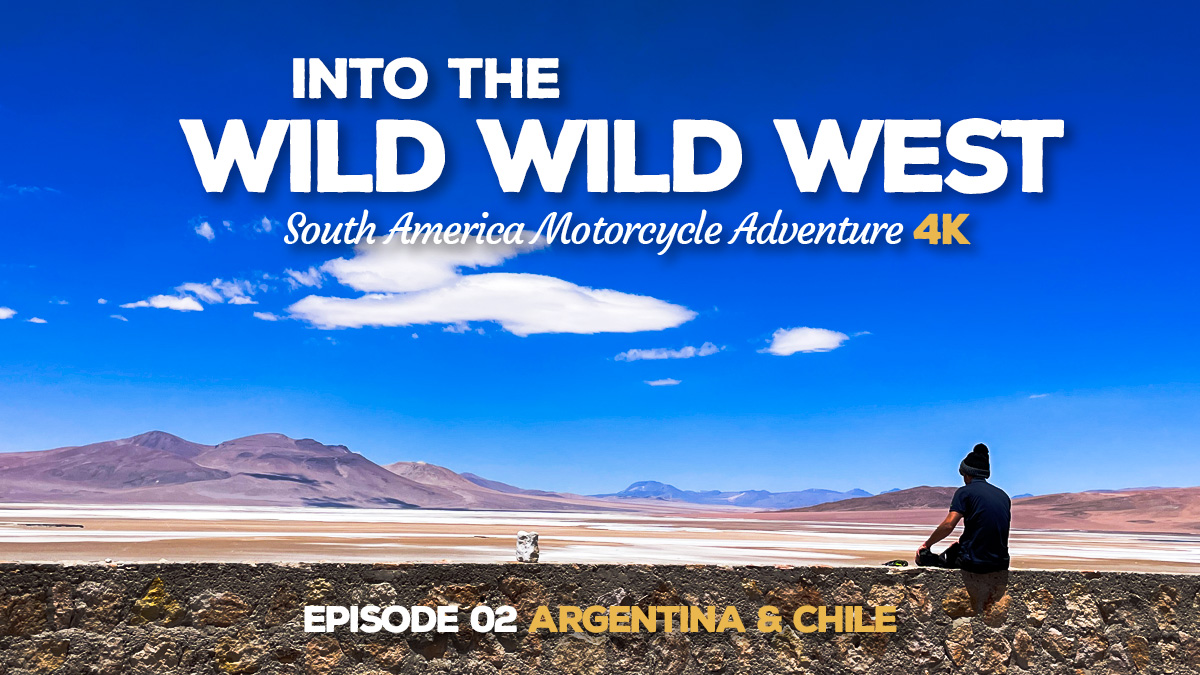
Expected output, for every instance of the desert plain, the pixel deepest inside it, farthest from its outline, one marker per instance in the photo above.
(78, 533)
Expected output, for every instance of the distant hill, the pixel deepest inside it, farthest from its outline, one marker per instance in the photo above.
(475, 496)
(157, 467)
(260, 470)
(923, 497)
(1147, 508)
(757, 499)
(505, 487)
(1125, 510)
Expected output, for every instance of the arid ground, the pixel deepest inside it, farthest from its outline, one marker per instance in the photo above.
(262, 534)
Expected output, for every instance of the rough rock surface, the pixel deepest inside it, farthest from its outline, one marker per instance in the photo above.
(217, 619)
(527, 547)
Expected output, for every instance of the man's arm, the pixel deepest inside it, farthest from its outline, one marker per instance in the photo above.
(942, 531)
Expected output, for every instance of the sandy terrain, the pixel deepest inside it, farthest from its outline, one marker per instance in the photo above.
(38, 533)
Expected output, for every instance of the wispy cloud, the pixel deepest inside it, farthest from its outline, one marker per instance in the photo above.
(7, 313)
(312, 278)
(666, 382)
(28, 190)
(204, 229)
(118, 317)
(36, 319)
(706, 349)
(1038, 395)
(209, 227)
(101, 301)
(461, 328)
(234, 291)
(179, 303)
(190, 295)
(202, 291)
(266, 316)
(787, 341)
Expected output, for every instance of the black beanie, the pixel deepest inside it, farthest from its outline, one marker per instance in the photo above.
(976, 464)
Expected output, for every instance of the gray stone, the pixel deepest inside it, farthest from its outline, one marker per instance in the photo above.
(527, 547)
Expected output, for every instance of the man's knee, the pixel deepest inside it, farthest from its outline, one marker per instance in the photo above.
(927, 558)
(948, 559)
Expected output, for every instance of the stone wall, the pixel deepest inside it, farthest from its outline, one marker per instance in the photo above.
(239, 618)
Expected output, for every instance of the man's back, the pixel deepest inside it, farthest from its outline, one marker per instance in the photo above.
(986, 511)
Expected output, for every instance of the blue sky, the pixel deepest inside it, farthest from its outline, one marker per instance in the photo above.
(1064, 336)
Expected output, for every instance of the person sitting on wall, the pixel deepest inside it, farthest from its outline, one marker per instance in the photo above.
(983, 546)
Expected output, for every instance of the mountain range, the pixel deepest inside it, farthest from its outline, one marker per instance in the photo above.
(757, 499)
(274, 470)
(260, 470)
(1148, 509)
(923, 497)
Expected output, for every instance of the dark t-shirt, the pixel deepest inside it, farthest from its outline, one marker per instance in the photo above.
(986, 514)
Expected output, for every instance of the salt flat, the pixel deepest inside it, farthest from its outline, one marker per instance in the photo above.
(268, 534)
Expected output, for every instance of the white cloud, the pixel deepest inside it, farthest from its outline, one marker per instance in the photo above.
(7, 313)
(266, 316)
(202, 291)
(787, 341)
(461, 328)
(205, 230)
(706, 349)
(101, 301)
(236, 291)
(400, 268)
(406, 284)
(1038, 395)
(118, 317)
(209, 227)
(666, 382)
(522, 304)
(190, 295)
(36, 320)
(60, 302)
(180, 303)
(312, 278)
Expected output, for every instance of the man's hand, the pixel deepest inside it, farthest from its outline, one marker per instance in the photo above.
(940, 533)
(917, 559)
